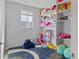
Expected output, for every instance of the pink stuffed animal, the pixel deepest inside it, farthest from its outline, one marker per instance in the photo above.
(64, 35)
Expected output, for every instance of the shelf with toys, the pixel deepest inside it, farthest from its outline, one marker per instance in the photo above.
(48, 17)
(63, 1)
(64, 7)
(64, 22)
(55, 23)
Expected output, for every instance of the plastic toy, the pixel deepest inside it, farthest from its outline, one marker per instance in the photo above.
(51, 46)
(60, 49)
(67, 53)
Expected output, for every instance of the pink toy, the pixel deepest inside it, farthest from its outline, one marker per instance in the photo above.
(48, 24)
(43, 23)
(64, 35)
(48, 9)
(60, 1)
(54, 7)
(40, 38)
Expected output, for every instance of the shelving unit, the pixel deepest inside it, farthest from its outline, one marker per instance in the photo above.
(64, 26)
(52, 27)
(61, 23)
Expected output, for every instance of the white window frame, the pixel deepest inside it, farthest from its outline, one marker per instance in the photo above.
(28, 24)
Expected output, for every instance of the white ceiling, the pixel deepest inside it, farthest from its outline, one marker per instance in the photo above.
(36, 3)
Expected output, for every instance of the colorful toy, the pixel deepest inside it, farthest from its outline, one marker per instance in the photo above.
(47, 35)
(60, 1)
(64, 35)
(46, 11)
(54, 7)
(46, 23)
(69, 5)
(67, 53)
(40, 38)
(60, 49)
(64, 6)
(43, 11)
(42, 23)
(51, 46)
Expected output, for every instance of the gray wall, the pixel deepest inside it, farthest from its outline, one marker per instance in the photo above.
(15, 35)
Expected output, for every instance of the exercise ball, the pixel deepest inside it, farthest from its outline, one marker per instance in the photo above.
(60, 49)
(67, 53)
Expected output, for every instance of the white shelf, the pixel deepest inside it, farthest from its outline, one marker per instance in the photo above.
(62, 20)
(64, 38)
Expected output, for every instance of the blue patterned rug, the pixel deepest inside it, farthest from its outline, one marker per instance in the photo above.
(42, 52)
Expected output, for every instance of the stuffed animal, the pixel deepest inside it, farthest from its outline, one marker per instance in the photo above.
(64, 35)
(60, 49)
(67, 53)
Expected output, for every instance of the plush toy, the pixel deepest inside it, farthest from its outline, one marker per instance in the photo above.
(67, 53)
(42, 23)
(64, 35)
(45, 23)
(61, 49)
(48, 23)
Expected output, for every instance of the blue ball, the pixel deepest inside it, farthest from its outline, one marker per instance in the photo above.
(67, 53)
(60, 49)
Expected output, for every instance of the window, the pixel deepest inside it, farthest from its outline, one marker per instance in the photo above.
(26, 19)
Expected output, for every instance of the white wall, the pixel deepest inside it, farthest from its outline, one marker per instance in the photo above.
(74, 29)
(2, 19)
(15, 35)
